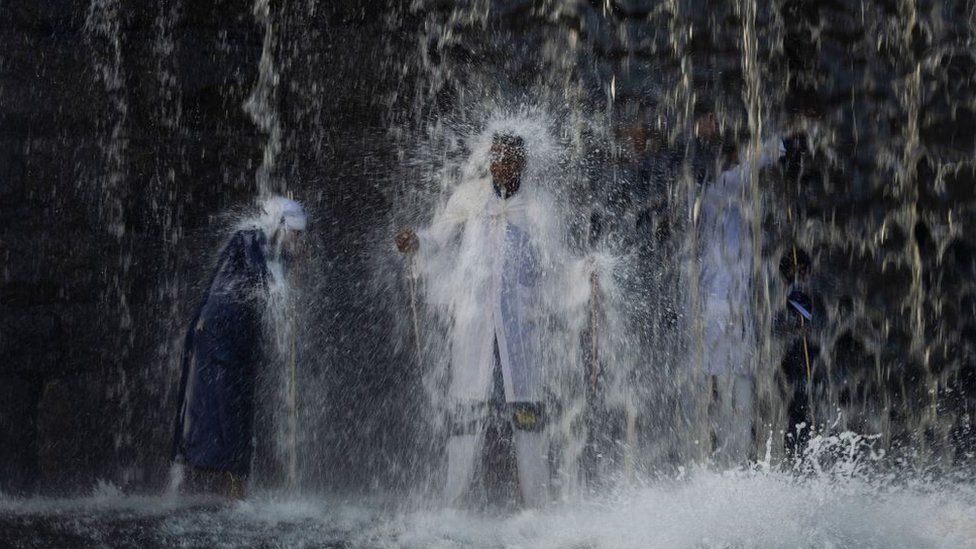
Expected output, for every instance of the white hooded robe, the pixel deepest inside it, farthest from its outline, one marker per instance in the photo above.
(495, 288)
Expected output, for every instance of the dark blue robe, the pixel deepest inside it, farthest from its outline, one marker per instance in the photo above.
(215, 417)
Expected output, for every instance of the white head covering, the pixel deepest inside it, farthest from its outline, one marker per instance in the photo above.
(279, 211)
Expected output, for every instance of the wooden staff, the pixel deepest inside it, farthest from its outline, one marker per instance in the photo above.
(594, 333)
(631, 462)
(412, 277)
(806, 346)
(292, 397)
(803, 333)
(293, 416)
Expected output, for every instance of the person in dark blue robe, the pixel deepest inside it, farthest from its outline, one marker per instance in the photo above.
(223, 350)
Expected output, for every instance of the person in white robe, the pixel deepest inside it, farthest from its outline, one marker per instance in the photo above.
(494, 302)
(726, 289)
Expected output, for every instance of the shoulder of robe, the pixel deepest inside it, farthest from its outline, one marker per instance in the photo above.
(239, 240)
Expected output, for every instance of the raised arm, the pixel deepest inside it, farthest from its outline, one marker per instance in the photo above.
(438, 234)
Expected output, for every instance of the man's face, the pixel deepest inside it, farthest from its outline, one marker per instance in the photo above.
(506, 167)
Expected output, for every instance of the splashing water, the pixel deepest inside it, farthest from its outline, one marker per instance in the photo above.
(753, 507)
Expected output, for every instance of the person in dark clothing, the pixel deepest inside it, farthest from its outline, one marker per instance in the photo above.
(798, 364)
(223, 348)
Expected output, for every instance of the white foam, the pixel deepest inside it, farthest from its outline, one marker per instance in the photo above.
(704, 508)
(719, 509)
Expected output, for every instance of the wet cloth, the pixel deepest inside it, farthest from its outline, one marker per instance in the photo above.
(494, 303)
(498, 301)
(215, 416)
(725, 273)
(730, 417)
(467, 441)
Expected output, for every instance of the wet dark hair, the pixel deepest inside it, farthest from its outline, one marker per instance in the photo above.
(513, 143)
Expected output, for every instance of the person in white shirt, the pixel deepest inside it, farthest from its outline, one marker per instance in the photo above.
(726, 289)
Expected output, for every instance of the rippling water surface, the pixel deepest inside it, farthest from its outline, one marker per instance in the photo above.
(701, 508)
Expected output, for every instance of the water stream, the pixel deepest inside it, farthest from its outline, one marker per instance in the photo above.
(374, 117)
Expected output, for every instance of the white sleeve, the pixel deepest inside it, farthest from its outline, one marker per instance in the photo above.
(444, 226)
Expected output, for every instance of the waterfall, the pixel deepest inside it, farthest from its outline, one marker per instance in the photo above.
(261, 104)
(138, 135)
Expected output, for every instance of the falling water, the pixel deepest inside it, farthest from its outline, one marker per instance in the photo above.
(103, 29)
(261, 104)
(376, 115)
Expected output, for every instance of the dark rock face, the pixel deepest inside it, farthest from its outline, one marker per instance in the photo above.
(18, 432)
(123, 142)
(76, 430)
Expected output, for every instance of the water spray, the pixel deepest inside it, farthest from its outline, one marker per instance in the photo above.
(292, 399)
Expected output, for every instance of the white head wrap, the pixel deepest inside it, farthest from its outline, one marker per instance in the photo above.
(279, 211)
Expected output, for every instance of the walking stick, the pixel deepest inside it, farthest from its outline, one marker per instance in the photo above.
(412, 277)
(292, 397)
(293, 417)
(806, 346)
(631, 462)
(594, 333)
(803, 333)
